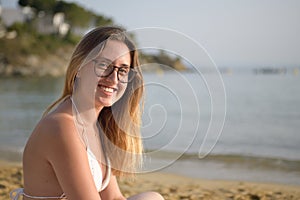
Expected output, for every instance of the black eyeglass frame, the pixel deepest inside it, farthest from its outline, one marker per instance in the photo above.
(131, 73)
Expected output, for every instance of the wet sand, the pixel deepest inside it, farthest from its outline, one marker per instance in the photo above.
(174, 187)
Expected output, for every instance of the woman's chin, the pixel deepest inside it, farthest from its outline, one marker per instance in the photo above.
(103, 103)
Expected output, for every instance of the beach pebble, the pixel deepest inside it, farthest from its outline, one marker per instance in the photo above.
(229, 195)
(195, 197)
(278, 193)
(254, 197)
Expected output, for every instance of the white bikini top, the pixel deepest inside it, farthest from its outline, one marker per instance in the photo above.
(95, 170)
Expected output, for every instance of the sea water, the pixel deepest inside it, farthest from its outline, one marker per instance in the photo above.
(253, 124)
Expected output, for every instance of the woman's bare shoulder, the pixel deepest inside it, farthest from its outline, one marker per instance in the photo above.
(56, 124)
(53, 131)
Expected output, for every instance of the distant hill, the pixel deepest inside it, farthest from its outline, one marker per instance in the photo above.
(161, 61)
(42, 55)
(33, 46)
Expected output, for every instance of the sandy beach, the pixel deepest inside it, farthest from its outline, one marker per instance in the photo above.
(174, 187)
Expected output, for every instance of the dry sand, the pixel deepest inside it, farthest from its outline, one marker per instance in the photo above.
(174, 187)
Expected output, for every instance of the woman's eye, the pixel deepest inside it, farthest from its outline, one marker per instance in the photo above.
(123, 71)
(103, 65)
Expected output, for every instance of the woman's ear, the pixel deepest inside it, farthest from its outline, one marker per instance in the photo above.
(76, 77)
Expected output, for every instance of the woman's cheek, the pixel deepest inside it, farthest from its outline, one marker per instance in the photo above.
(121, 90)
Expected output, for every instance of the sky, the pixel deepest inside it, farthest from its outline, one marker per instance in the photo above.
(235, 33)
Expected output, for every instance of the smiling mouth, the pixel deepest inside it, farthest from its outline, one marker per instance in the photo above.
(107, 89)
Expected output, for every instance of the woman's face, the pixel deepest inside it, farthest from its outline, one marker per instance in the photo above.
(107, 90)
(110, 89)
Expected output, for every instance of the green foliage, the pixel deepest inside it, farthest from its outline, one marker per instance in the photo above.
(28, 42)
(101, 21)
(71, 39)
(22, 28)
(40, 5)
(75, 15)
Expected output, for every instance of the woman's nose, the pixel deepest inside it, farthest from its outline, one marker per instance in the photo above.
(113, 77)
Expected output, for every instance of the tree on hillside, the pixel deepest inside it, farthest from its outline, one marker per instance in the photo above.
(75, 15)
(39, 5)
(101, 20)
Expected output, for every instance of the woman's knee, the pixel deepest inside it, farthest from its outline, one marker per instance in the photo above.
(156, 196)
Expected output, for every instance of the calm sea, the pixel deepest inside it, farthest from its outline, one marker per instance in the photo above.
(183, 116)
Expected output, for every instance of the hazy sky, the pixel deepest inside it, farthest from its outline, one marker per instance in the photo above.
(234, 32)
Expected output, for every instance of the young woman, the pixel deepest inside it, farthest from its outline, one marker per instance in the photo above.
(91, 133)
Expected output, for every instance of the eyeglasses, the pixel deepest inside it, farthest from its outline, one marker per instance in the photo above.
(105, 69)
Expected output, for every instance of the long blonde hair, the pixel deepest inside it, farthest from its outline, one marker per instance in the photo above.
(120, 130)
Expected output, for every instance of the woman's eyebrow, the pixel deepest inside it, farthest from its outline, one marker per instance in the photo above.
(125, 65)
(110, 61)
(105, 59)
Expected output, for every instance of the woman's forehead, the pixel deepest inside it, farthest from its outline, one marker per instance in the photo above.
(115, 50)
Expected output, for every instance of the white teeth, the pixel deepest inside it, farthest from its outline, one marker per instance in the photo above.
(107, 89)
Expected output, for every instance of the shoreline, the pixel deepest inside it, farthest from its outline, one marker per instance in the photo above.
(173, 186)
(213, 167)
(251, 170)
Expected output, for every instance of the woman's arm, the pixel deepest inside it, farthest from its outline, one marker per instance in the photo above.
(67, 155)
